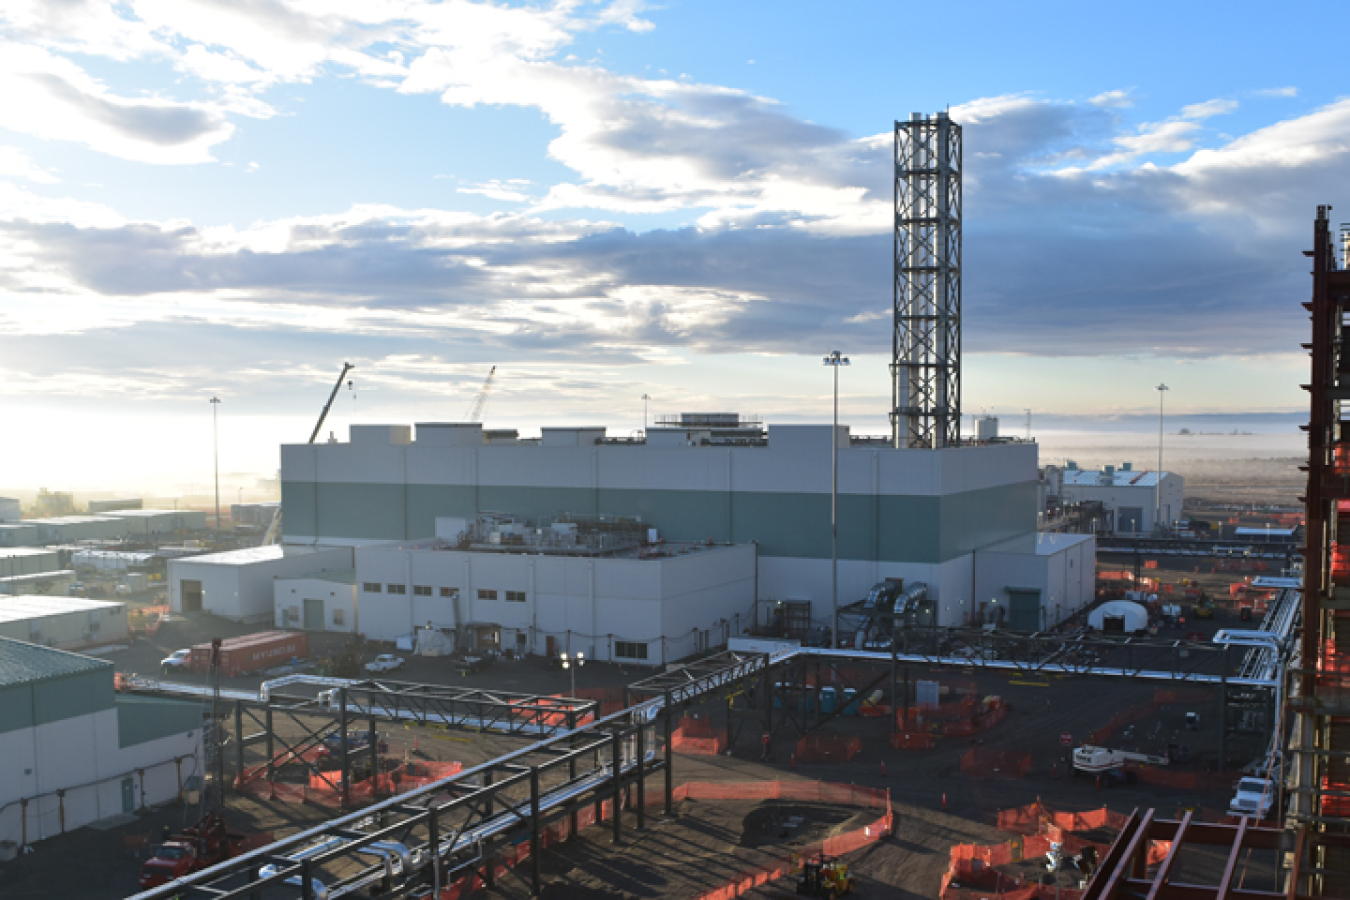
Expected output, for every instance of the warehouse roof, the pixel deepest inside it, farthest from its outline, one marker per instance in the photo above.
(22, 663)
(32, 606)
(1129, 478)
(256, 555)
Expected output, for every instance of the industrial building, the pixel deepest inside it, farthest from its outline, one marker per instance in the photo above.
(253, 515)
(324, 601)
(46, 584)
(914, 513)
(18, 534)
(105, 506)
(1035, 582)
(10, 510)
(1132, 500)
(237, 585)
(66, 623)
(68, 529)
(74, 752)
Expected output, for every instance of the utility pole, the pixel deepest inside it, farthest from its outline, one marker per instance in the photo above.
(1157, 516)
(834, 361)
(215, 453)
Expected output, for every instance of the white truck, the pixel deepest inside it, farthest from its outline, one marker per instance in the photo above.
(1254, 798)
(1094, 760)
(385, 662)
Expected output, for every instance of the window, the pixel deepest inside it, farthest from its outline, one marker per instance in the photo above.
(485, 594)
(630, 649)
(449, 592)
(422, 590)
(338, 617)
(398, 588)
(292, 614)
(515, 596)
(371, 587)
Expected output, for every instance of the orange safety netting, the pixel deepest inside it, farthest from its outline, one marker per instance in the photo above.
(911, 740)
(697, 737)
(326, 789)
(963, 718)
(807, 791)
(146, 619)
(991, 763)
(827, 748)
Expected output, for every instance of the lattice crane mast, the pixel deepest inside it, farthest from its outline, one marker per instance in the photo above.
(475, 413)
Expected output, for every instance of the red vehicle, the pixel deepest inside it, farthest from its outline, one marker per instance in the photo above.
(197, 847)
(251, 652)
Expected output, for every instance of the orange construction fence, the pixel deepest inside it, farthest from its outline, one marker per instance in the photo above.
(805, 791)
(326, 789)
(697, 736)
(827, 748)
(146, 619)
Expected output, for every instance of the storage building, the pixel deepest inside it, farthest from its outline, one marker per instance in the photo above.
(18, 534)
(1119, 616)
(10, 510)
(28, 561)
(145, 523)
(76, 752)
(67, 529)
(1034, 582)
(45, 584)
(107, 506)
(65, 623)
(237, 585)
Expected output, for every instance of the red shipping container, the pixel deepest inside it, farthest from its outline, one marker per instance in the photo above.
(252, 652)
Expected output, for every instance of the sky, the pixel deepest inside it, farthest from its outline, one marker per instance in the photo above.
(687, 200)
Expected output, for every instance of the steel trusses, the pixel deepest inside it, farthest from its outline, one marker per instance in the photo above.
(926, 338)
(1319, 695)
(1124, 872)
(428, 837)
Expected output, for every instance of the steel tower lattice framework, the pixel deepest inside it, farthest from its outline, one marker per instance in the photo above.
(926, 345)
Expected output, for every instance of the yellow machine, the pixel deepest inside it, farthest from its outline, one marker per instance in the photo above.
(824, 876)
(1204, 607)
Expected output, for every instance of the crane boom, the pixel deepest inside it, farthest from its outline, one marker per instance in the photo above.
(476, 411)
(346, 367)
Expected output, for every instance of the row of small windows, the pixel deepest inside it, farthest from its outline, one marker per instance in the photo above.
(425, 590)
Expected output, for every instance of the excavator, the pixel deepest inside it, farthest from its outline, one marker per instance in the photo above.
(824, 876)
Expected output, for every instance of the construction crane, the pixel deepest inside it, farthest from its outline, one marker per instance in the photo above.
(274, 529)
(475, 413)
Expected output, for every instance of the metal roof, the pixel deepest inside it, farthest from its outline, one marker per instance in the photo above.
(1093, 478)
(249, 555)
(22, 663)
(33, 606)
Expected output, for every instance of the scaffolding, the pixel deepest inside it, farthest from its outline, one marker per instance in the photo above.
(926, 344)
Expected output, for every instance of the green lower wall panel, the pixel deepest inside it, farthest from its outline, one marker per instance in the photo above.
(886, 528)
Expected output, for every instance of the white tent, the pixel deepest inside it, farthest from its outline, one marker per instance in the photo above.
(1119, 615)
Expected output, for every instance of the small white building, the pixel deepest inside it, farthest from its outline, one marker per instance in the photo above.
(1122, 616)
(322, 602)
(1035, 582)
(9, 510)
(68, 529)
(76, 751)
(237, 585)
(1133, 498)
(556, 591)
(44, 584)
(66, 623)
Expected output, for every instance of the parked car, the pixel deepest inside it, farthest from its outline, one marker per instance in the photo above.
(178, 659)
(385, 662)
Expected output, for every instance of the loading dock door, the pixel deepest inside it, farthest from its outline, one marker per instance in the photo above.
(313, 614)
(1024, 609)
(191, 592)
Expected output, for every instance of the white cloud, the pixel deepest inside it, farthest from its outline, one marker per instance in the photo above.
(1278, 92)
(1208, 109)
(1113, 100)
(16, 164)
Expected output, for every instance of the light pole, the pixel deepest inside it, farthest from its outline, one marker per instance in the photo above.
(571, 663)
(834, 361)
(645, 398)
(215, 453)
(1157, 516)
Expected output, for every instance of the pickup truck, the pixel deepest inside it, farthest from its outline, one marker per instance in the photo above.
(197, 847)
(1094, 760)
(385, 662)
(178, 659)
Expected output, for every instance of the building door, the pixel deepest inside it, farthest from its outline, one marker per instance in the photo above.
(1024, 609)
(191, 592)
(128, 796)
(1130, 519)
(313, 614)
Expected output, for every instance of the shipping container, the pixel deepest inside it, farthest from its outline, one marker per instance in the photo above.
(252, 652)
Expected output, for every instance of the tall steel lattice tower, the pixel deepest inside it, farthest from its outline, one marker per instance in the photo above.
(926, 346)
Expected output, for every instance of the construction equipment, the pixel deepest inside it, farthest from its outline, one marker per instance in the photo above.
(824, 876)
(475, 413)
(1204, 607)
(274, 530)
(195, 847)
(346, 367)
(1095, 760)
